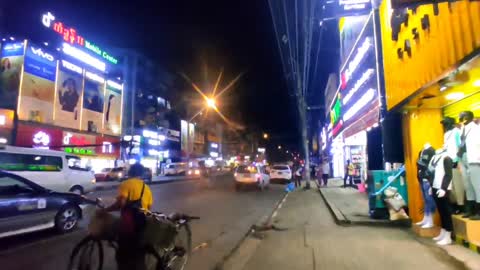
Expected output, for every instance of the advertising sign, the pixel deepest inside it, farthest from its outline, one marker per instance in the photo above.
(10, 72)
(343, 8)
(38, 137)
(37, 91)
(69, 92)
(77, 143)
(93, 102)
(112, 108)
(359, 85)
(349, 28)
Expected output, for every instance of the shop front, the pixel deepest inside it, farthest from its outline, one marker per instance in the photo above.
(96, 152)
(432, 71)
(356, 107)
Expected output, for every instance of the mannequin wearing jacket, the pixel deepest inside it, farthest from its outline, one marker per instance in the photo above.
(424, 179)
(451, 143)
(442, 166)
(469, 152)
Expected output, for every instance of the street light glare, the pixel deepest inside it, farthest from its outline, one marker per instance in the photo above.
(211, 102)
(265, 135)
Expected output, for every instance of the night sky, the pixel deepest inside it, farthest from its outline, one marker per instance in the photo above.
(194, 37)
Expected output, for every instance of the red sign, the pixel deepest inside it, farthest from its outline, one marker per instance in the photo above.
(108, 146)
(38, 137)
(69, 34)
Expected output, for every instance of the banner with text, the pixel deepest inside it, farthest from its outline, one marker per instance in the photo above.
(10, 72)
(38, 86)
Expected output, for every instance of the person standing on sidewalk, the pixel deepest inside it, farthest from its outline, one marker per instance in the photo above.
(298, 176)
(348, 174)
(325, 172)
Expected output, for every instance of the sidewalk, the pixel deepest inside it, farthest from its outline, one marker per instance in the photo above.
(349, 206)
(304, 236)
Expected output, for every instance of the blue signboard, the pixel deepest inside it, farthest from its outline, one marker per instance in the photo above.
(12, 49)
(359, 91)
(40, 63)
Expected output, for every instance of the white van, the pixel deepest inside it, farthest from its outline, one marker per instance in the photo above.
(55, 170)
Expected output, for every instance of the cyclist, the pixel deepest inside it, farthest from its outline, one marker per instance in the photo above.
(133, 196)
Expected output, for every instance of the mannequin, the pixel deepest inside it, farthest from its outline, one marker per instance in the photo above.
(451, 144)
(424, 179)
(469, 152)
(442, 166)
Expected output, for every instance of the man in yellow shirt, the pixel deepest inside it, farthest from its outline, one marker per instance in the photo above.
(133, 196)
(130, 191)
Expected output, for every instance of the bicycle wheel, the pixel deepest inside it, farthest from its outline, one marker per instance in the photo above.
(87, 255)
(182, 248)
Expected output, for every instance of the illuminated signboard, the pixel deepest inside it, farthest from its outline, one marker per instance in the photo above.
(71, 36)
(74, 141)
(343, 8)
(41, 140)
(359, 83)
(83, 57)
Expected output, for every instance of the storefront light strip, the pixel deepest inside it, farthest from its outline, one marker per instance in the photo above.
(83, 57)
(56, 89)
(367, 97)
(94, 77)
(365, 77)
(377, 56)
(72, 67)
(115, 85)
(353, 65)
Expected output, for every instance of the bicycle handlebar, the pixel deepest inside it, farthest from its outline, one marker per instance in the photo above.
(97, 202)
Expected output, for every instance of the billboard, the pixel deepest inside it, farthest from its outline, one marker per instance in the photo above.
(343, 8)
(112, 108)
(10, 72)
(38, 86)
(68, 96)
(93, 101)
(359, 89)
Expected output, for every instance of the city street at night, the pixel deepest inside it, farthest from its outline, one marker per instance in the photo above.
(226, 217)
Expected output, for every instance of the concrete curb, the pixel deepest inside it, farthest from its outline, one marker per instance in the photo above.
(262, 223)
(110, 187)
(431, 244)
(343, 220)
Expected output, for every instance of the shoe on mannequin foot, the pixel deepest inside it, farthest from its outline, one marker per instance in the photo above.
(446, 240)
(428, 222)
(440, 235)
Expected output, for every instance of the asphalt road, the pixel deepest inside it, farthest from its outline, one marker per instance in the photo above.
(226, 216)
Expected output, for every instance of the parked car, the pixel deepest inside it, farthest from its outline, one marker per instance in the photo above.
(110, 174)
(251, 175)
(281, 173)
(176, 169)
(55, 170)
(26, 207)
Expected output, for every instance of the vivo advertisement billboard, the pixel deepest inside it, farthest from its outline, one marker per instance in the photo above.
(358, 92)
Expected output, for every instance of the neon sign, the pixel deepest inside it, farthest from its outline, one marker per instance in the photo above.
(41, 138)
(39, 52)
(83, 57)
(115, 85)
(71, 36)
(77, 140)
(353, 65)
(94, 77)
(362, 102)
(72, 67)
(365, 77)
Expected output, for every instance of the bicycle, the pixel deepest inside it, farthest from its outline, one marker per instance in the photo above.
(174, 257)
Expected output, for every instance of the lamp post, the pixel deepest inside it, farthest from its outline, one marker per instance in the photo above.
(211, 103)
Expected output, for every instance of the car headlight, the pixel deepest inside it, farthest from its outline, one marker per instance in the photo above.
(189, 172)
(94, 181)
(197, 172)
(120, 174)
